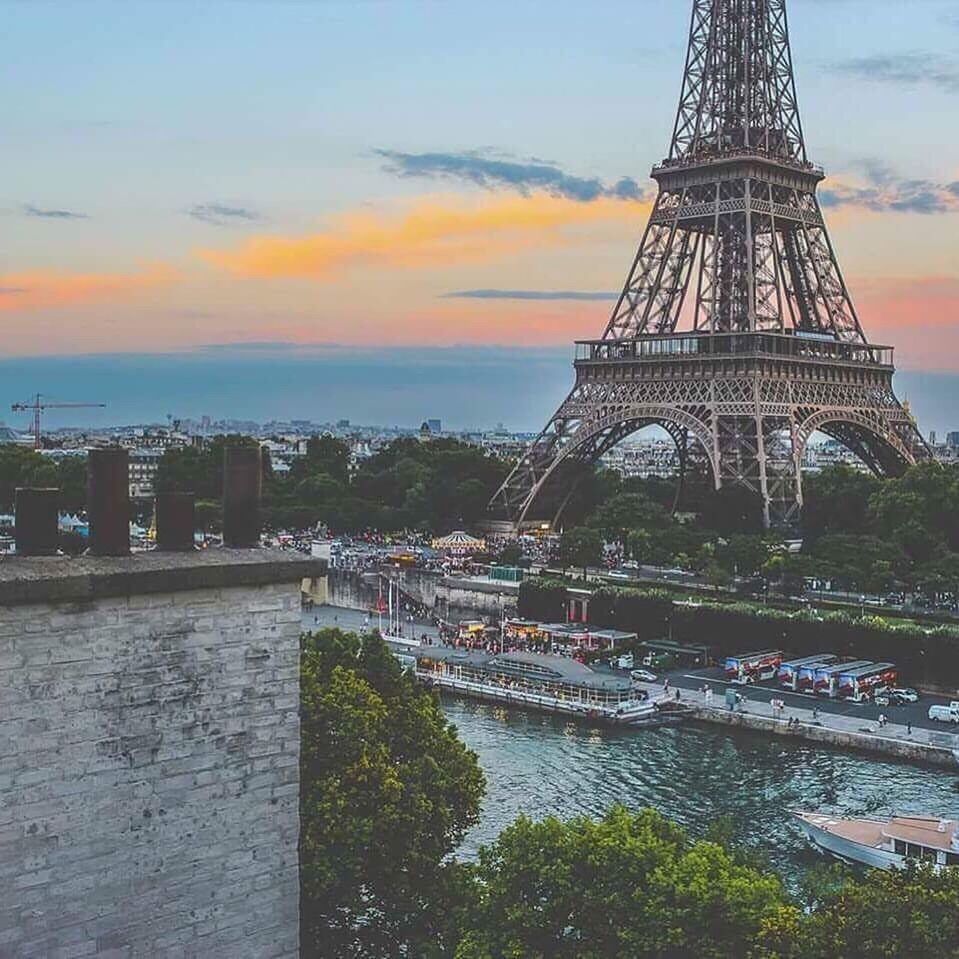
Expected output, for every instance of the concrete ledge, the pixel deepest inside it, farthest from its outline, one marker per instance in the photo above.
(905, 749)
(468, 585)
(59, 579)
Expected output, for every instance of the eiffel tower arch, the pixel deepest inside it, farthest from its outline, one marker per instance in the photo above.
(735, 331)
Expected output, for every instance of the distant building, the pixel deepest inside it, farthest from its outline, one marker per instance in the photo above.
(435, 426)
(932, 437)
(952, 439)
(144, 464)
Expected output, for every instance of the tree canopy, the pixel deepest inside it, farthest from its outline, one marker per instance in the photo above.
(630, 884)
(387, 792)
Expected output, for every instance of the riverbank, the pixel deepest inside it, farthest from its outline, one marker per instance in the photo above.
(842, 731)
(814, 721)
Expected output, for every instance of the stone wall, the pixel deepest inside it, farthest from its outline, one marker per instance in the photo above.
(149, 751)
(451, 597)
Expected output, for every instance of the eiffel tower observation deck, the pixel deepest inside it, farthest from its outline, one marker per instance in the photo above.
(735, 330)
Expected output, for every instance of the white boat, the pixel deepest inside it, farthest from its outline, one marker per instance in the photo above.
(884, 843)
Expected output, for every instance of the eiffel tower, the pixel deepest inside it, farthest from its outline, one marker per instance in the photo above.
(735, 331)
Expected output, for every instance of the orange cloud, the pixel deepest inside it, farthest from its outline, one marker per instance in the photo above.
(51, 289)
(431, 233)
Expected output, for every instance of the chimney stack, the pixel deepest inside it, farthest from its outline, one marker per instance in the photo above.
(37, 532)
(108, 501)
(242, 484)
(175, 521)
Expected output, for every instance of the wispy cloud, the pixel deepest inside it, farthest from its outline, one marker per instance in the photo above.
(438, 232)
(219, 214)
(492, 172)
(904, 69)
(884, 191)
(44, 214)
(586, 295)
(51, 289)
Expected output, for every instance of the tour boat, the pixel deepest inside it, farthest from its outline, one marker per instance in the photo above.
(556, 684)
(884, 843)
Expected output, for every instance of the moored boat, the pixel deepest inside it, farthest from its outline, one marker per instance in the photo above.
(884, 843)
(556, 684)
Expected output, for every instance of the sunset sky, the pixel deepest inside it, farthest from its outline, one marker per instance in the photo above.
(202, 186)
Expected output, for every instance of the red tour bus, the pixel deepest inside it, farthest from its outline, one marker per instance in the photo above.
(863, 683)
(753, 667)
(790, 673)
(827, 677)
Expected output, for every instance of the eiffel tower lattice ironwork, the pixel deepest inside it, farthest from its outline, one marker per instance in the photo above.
(735, 331)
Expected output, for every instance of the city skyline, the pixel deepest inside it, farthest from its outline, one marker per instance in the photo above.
(224, 178)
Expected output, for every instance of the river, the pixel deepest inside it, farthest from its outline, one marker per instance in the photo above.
(541, 765)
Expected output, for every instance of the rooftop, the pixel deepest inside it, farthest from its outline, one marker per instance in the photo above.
(51, 579)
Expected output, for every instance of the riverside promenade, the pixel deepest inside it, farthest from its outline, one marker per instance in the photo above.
(841, 730)
(819, 721)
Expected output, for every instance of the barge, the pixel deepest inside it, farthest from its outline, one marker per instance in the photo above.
(541, 681)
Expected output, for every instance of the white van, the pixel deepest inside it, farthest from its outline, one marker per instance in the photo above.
(945, 714)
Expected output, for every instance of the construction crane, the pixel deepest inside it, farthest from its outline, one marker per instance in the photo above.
(37, 405)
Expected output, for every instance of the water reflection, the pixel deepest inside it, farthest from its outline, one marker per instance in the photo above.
(539, 765)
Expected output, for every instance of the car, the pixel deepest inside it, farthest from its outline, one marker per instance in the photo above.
(618, 574)
(904, 694)
(643, 676)
(630, 564)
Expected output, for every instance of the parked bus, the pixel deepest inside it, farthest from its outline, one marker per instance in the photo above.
(753, 667)
(827, 677)
(789, 672)
(863, 683)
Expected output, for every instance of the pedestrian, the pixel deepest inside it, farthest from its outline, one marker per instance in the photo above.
(677, 695)
(908, 729)
(666, 685)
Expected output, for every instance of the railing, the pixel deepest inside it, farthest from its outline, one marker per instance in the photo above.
(739, 153)
(785, 345)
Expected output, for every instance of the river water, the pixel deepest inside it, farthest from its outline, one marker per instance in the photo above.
(541, 765)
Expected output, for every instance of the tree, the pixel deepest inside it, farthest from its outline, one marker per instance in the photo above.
(582, 547)
(836, 500)
(628, 511)
(387, 792)
(743, 554)
(511, 555)
(630, 884)
(732, 509)
(863, 562)
(887, 914)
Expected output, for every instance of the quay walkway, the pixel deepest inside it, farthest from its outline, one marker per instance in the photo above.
(898, 740)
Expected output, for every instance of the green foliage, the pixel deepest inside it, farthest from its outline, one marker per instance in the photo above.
(387, 792)
(199, 470)
(543, 599)
(836, 500)
(912, 913)
(858, 562)
(915, 517)
(22, 466)
(630, 884)
(626, 511)
(582, 547)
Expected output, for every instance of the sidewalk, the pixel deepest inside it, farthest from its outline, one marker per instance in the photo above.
(893, 739)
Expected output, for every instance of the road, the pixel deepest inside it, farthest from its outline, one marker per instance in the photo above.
(916, 714)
